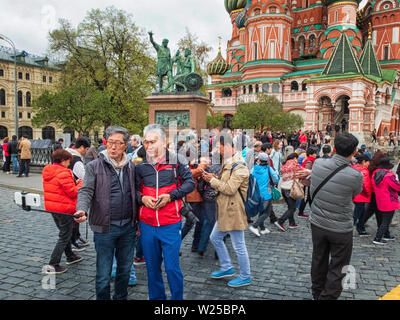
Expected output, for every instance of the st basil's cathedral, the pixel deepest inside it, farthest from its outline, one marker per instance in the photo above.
(324, 60)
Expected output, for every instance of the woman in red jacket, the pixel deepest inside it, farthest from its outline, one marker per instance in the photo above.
(362, 200)
(7, 156)
(60, 195)
(386, 189)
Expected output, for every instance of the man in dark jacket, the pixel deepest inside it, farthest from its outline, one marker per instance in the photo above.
(13, 151)
(162, 180)
(109, 191)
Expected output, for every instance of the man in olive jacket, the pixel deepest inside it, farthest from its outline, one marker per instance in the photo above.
(332, 218)
(232, 185)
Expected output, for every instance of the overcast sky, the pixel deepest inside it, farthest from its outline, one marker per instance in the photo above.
(28, 23)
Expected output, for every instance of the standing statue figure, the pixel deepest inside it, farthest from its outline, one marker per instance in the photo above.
(164, 63)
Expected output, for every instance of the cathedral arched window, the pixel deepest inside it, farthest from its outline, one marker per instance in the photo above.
(312, 41)
(272, 9)
(257, 12)
(20, 103)
(302, 42)
(294, 86)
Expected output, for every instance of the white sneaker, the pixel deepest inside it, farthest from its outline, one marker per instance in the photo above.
(265, 231)
(255, 231)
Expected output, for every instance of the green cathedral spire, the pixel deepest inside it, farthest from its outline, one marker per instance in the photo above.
(343, 59)
(369, 61)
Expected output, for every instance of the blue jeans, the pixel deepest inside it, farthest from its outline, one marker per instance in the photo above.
(121, 241)
(139, 249)
(14, 159)
(162, 243)
(360, 208)
(239, 245)
(209, 214)
(132, 275)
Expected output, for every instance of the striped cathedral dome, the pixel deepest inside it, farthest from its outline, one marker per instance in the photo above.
(218, 66)
(231, 5)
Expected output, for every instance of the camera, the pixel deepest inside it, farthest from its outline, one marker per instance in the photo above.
(187, 212)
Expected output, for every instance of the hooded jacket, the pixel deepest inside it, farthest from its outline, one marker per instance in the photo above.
(386, 189)
(60, 190)
(365, 195)
(262, 175)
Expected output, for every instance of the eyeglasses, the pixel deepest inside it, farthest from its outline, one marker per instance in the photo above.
(115, 143)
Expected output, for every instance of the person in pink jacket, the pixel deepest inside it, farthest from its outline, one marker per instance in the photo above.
(362, 200)
(386, 189)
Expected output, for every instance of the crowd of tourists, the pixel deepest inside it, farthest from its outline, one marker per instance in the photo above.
(142, 196)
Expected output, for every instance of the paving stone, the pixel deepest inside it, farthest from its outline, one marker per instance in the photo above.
(280, 264)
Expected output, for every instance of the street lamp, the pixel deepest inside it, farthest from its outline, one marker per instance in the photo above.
(2, 37)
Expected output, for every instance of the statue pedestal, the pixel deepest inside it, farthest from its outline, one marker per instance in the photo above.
(189, 110)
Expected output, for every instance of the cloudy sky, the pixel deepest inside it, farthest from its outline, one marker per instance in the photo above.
(28, 23)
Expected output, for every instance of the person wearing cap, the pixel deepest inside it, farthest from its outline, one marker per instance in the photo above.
(386, 189)
(362, 200)
(262, 172)
(364, 150)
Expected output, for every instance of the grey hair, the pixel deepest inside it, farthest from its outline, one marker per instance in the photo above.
(155, 127)
(137, 138)
(113, 130)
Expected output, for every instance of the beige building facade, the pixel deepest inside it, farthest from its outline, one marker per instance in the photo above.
(34, 74)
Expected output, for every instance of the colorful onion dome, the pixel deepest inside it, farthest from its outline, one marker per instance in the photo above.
(231, 5)
(218, 66)
(330, 2)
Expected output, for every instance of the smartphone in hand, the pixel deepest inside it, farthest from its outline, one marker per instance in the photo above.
(158, 202)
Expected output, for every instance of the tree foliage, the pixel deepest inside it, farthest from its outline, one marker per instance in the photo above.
(215, 121)
(77, 107)
(108, 52)
(200, 51)
(266, 114)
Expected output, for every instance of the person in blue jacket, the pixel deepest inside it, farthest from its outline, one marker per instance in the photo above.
(262, 173)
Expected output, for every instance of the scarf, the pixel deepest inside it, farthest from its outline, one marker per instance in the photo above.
(119, 165)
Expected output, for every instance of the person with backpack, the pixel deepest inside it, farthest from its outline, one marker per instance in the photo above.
(334, 184)
(291, 171)
(232, 185)
(307, 164)
(262, 172)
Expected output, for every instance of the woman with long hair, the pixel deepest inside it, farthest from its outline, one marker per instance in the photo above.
(291, 171)
(7, 156)
(276, 155)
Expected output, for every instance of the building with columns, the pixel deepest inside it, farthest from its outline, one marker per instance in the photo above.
(324, 60)
(34, 74)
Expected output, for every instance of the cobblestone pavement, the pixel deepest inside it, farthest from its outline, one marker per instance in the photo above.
(280, 263)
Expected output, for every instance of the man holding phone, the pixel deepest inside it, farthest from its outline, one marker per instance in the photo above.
(162, 180)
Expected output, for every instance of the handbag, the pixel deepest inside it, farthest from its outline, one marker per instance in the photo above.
(276, 194)
(297, 190)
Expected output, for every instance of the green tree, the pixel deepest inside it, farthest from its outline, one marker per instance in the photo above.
(266, 114)
(108, 51)
(200, 51)
(215, 121)
(76, 106)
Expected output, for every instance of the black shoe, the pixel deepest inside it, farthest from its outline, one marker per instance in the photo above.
(77, 247)
(201, 253)
(74, 259)
(363, 233)
(379, 242)
(82, 243)
(390, 238)
(194, 249)
(55, 269)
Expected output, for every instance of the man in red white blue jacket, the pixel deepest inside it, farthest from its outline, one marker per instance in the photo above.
(162, 176)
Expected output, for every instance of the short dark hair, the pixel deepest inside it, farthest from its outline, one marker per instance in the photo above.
(345, 144)
(225, 138)
(82, 142)
(266, 146)
(60, 155)
(326, 149)
(311, 150)
(362, 157)
(291, 156)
